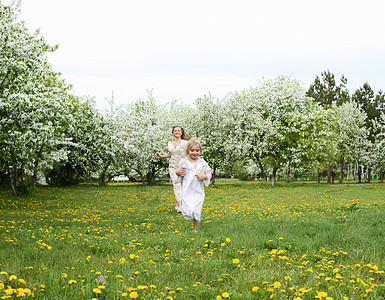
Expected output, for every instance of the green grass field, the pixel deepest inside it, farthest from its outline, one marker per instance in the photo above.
(123, 241)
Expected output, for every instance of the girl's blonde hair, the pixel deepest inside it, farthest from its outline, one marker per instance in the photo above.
(193, 142)
(184, 136)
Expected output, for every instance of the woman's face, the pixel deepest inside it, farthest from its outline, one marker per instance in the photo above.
(177, 132)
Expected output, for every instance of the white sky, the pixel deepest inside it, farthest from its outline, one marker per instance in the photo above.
(186, 49)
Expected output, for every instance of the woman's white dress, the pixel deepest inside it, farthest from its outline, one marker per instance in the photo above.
(193, 193)
(177, 153)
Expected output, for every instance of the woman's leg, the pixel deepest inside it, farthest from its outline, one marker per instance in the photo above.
(177, 190)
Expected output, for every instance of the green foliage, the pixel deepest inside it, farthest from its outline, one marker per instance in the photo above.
(240, 171)
(26, 186)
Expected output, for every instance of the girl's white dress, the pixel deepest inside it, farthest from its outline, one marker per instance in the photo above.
(177, 153)
(193, 193)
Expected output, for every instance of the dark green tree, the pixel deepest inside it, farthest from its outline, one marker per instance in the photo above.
(326, 91)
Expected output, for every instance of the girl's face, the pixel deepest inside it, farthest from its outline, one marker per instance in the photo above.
(177, 132)
(194, 152)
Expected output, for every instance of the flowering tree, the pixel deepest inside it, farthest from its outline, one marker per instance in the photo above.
(86, 131)
(142, 133)
(317, 140)
(265, 122)
(379, 144)
(351, 133)
(33, 107)
(249, 129)
(326, 91)
(207, 124)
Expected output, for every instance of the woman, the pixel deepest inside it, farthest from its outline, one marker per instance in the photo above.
(176, 151)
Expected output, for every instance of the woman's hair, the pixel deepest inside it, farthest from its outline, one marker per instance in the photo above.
(185, 135)
(193, 142)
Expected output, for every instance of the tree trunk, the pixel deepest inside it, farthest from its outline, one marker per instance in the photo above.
(359, 171)
(10, 179)
(274, 175)
(15, 178)
(67, 175)
(329, 173)
(263, 173)
(213, 178)
(382, 174)
(102, 176)
(150, 177)
(318, 177)
(288, 174)
(342, 160)
(37, 163)
(347, 173)
(369, 174)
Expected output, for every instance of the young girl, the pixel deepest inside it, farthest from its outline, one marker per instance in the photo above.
(193, 172)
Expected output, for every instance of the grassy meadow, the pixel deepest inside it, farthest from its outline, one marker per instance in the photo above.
(125, 241)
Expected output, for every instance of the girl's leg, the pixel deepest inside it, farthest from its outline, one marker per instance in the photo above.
(195, 225)
(179, 206)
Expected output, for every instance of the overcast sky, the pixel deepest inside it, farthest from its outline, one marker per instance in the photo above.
(186, 49)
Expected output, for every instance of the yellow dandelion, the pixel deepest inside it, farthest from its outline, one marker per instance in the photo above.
(72, 281)
(122, 261)
(132, 256)
(321, 295)
(225, 295)
(228, 240)
(22, 281)
(219, 297)
(255, 289)
(12, 277)
(9, 291)
(133, 295)
(20, 292)
(235, 261)
(27, 292)
(97, 291)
